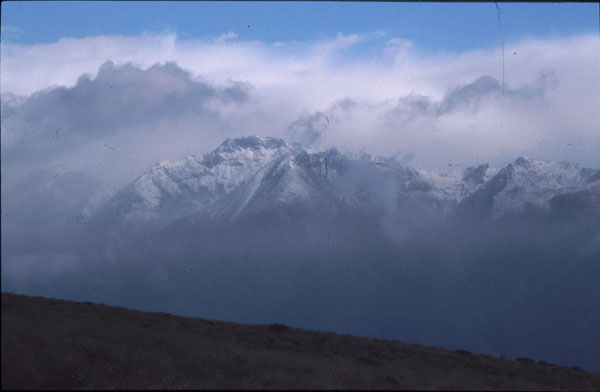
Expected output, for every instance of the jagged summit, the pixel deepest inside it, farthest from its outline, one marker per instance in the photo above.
(525, 161)
(529, 182)
(251, 175)
(232, 151)
(533, 173)
(253, 143)
(172, 189)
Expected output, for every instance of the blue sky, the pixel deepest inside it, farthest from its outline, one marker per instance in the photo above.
(430, 26)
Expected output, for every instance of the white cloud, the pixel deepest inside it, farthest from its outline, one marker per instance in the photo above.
(228, 36)
(388, 99)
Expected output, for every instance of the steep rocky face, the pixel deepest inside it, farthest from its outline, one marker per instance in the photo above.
(269, 177)
(170, 190)
(527, 183)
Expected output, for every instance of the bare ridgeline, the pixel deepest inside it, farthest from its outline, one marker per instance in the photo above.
(53, 344)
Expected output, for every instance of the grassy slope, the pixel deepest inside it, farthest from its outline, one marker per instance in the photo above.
(62, 344)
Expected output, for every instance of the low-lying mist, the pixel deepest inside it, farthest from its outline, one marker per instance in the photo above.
(522, 286)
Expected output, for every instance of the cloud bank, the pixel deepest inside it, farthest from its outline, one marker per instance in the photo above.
(113, 105)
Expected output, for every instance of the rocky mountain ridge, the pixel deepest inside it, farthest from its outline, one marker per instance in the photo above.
(253, 175)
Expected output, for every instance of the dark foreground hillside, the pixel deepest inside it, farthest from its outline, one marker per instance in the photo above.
(50, 343)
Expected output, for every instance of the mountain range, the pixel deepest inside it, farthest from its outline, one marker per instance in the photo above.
(261, 176)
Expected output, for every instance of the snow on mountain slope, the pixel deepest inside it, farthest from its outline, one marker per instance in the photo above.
(293, 183)
(252, 175)
(455, 185)
(170, 190)
(529, 182)
(446, 189)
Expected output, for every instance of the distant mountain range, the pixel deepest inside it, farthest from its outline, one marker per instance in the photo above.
(252, 176)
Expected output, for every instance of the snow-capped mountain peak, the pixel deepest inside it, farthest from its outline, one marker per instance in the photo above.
(454, 186)
(256, 175)
(530, 182)
(171, 189)
(252, 143)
